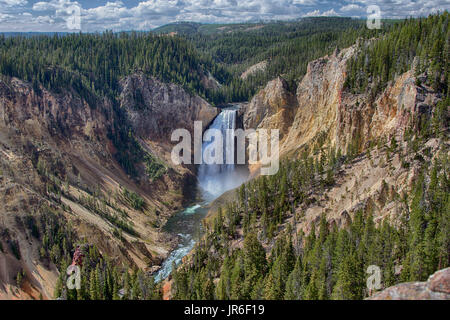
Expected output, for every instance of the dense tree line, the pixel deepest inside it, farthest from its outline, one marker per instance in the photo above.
(286, 46)
(102, 279)
(331, 264)
(422, 43)
(94, 63)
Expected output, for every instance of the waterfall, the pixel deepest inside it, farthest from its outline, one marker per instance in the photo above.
(215, 179)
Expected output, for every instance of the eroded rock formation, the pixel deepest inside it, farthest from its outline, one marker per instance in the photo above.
(59, 139)
(322, 112)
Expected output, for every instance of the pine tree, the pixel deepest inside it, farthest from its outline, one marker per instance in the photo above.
(92, 286)
(416, 254)
(294, 283)
(237, 278)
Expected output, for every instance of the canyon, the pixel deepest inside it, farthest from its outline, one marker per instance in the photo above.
(147, 218)
(321, 115)
(44, 132)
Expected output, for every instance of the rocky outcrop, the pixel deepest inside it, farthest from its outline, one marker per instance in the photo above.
(259, 67)
(271, 108)
(209, 82)
(436, 288)
(322, 113)
(155, 108)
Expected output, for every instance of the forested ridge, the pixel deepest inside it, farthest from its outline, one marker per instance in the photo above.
(94, 63)
(286, 46)
(422, 43)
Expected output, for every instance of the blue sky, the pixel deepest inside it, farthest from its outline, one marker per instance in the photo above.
(99, 15)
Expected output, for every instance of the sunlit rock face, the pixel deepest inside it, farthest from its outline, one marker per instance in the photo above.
(321, 111)
(321, 114)
(271, 108)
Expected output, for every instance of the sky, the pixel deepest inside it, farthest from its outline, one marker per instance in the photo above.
(100, 15)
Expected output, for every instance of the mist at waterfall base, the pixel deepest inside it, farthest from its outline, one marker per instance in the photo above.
(213, 181)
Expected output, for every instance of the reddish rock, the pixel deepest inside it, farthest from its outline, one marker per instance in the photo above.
(440, 281)
(167, 290)
(78, 257)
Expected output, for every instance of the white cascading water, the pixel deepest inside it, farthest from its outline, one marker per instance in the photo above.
(213, 180)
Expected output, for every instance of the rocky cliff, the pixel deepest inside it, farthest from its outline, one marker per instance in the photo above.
(155, 108)
(436, 288)
(322, 113)
(58, 157)
(370, 153)
(271, 108)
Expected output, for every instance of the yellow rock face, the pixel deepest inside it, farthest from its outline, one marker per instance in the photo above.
(322, 111)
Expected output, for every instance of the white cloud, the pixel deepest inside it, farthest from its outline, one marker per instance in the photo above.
(314, 13)
(330, 13)
(111, 10)
(42, 6)
(56, 5)
(317, 13)
(350, 7)
(305, 2)
(147, 14)
(4, 17)
(12, 3)
(43, 20)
